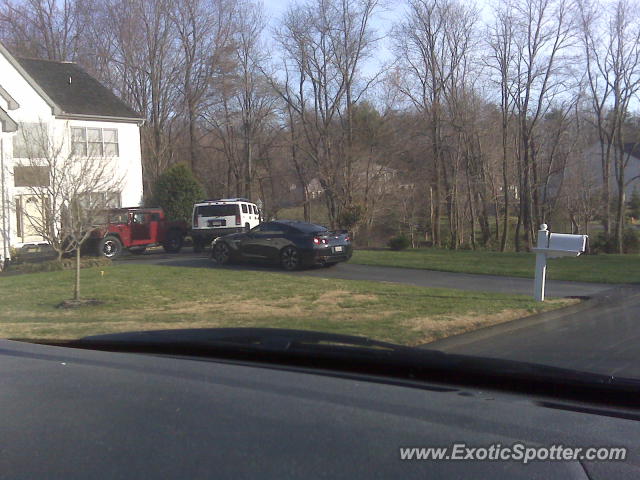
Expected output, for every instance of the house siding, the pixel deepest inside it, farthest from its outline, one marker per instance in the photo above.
(593, 159)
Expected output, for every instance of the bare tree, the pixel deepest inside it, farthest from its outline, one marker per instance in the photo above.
(254, 99)
(611, 52)
(501, 59)
(146, 68)
(69, 191)
(45, 28)
(434, 43)
(544, 31)
(324, 43)
(204, 30)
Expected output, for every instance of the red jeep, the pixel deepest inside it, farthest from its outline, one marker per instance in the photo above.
(135, 229)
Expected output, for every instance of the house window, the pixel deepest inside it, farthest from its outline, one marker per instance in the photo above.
(95, 142)
(31, 176)
(28, 140)
(110, 142)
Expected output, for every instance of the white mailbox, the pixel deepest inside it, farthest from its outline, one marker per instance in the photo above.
(562, 245)
(552, 245)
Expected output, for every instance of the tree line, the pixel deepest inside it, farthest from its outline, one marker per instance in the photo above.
(475, 129)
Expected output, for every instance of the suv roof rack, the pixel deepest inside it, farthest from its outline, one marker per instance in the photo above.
(133, 208)
(225, 200)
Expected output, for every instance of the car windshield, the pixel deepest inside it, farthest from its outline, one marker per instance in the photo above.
(442, 174)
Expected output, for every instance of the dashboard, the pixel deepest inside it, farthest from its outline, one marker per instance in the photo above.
(72, 413)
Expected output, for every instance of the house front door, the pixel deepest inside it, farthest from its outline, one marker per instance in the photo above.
(29, 211)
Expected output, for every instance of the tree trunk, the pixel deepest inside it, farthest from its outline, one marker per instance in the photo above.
(606, 197)
(192, 135)
(620, 207)
(76, 290)
(505, 174)
(472, 217)
(249, 178)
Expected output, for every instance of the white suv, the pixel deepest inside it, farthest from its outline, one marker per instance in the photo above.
(214, 218)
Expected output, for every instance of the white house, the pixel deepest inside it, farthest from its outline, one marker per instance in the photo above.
(81, 112)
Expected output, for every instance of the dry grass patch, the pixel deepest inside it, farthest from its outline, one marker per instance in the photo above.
(429, 329)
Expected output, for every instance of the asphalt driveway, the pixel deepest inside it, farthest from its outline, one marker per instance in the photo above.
(421, 278)
(601, 335)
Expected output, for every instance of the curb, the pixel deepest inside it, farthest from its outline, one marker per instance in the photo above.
(614, 296)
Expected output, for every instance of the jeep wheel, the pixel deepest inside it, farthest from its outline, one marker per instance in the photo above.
(173, 242)
(221, 253)
(290, 259)
(110, 247)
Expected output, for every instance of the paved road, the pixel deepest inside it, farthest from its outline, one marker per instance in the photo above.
(602, 336)
(422, 278)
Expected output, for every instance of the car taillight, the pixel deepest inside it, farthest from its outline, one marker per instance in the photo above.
(319, 241)
(238, 221)
(347, 238)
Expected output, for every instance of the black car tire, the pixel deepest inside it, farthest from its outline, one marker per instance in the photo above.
(173, 242)
(290, 258)
(110, 247)
(221, 253)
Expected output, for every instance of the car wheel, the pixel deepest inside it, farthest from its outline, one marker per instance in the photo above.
(110, 247)
(290, 259)
(247, 227)
(173, 242)
(221, 253)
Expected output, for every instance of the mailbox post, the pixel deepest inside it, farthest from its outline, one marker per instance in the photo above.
(552, 245)
(541, 264)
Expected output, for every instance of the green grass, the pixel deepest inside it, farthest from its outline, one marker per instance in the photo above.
(586, 268)
(145, 297)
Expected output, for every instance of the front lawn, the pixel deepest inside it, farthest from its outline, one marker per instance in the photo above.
(586, 268)
(146, 297)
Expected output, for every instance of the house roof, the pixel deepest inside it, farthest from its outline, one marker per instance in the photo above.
(74, 91)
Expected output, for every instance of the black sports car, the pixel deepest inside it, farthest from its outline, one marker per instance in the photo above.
(291, 244)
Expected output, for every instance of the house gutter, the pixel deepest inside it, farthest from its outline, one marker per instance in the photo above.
(100, 118)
